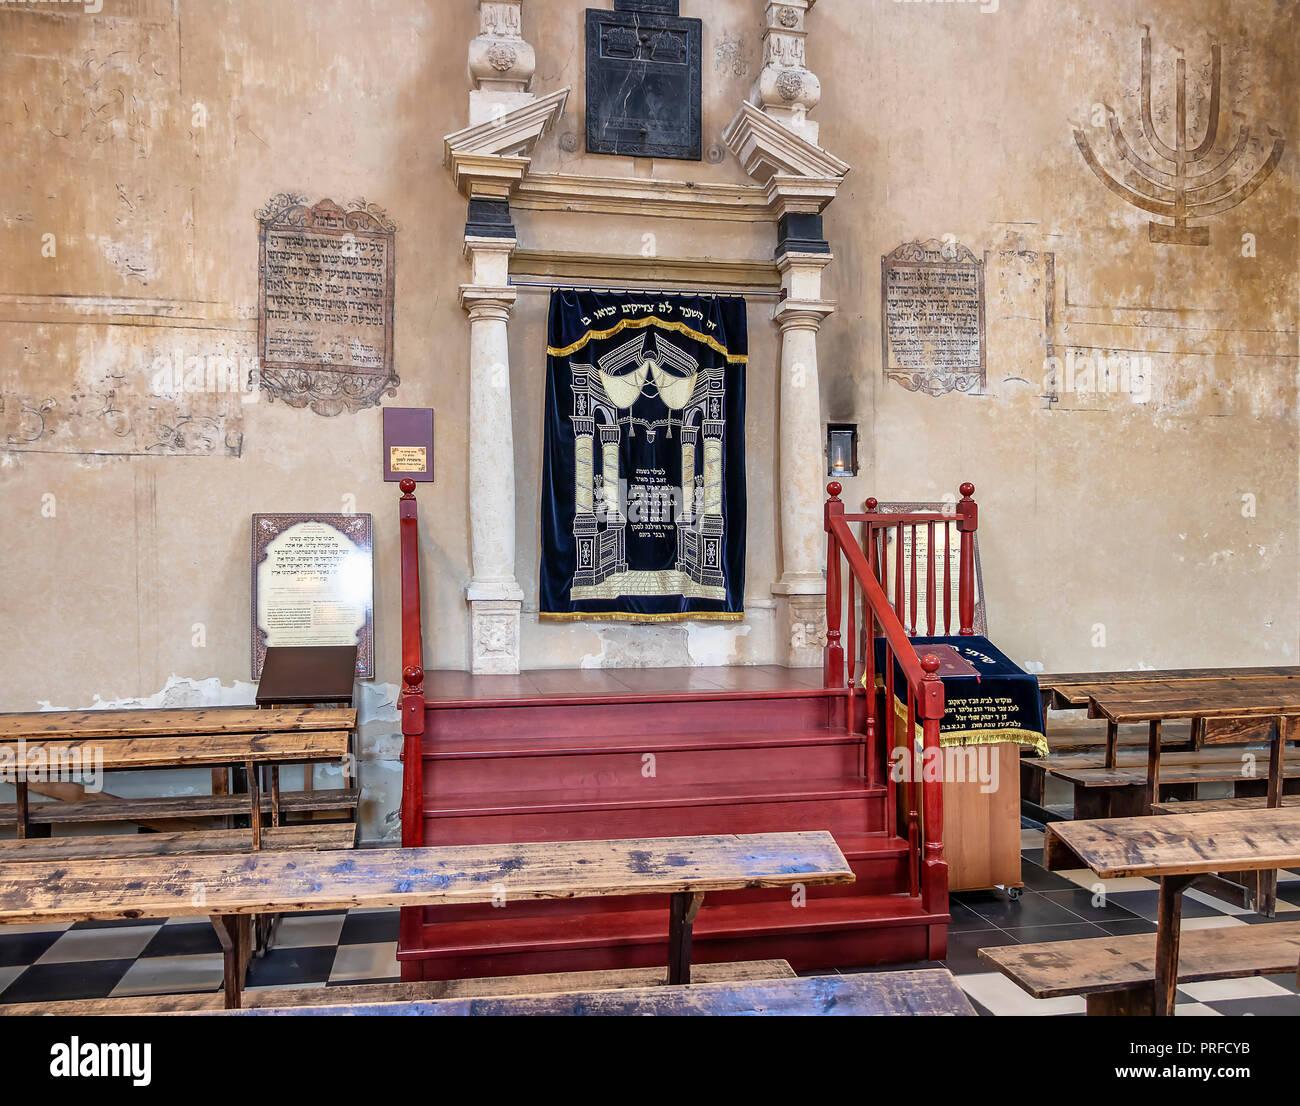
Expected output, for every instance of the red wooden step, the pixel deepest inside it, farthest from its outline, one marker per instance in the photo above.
(524, 743)
(838, 805)
(515, 932)
(624, 715)
(656, 764)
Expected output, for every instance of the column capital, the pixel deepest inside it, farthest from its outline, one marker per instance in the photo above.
(802, 314)
(487, 301)
(488, 244)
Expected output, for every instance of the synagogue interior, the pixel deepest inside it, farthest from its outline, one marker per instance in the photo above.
(650, 507)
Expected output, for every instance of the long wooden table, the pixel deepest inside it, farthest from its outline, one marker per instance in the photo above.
(929, 991)
(1072, 690)
(1238, 702)
(1175, 849)
(232, 888)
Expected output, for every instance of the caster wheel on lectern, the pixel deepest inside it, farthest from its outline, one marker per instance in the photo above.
(1014, 893)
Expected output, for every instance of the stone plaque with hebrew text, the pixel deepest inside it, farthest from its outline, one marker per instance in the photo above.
(932, 317)
(325, 304)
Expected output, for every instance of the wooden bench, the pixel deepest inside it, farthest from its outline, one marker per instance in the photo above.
(235, 887)
(35, 746)
(1176, 849)
(124, 846)
(1115, 974)
(931, 991)
(423, 991)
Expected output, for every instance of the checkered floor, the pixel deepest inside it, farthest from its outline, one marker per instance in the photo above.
(103, 959)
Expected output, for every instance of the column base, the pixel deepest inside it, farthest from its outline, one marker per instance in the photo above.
(800, 629)
(494, 634)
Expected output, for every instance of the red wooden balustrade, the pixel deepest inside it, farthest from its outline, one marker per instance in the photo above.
(894, 619)
(411, 704)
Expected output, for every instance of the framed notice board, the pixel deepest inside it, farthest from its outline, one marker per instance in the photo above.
(313, 584)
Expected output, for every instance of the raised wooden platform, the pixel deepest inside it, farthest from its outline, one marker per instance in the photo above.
(588, 754)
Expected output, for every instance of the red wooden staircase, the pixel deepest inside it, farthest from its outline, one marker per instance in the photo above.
(657, 752)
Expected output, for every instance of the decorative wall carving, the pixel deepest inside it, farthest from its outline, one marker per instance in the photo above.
(1191, 187)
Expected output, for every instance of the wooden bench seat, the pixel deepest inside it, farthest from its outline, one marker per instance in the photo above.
(124, 754)
(153, 808)
(1116, 974)
(81, 725)
(931, 991)
(1203, 806)
(319, 835)
(431, 990)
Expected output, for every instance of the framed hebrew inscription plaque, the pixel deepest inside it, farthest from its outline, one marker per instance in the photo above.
(313, 584)
(932, 317)
(325, 304)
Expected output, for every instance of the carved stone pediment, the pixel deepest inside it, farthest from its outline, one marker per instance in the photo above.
(766, 148)
(512, 133)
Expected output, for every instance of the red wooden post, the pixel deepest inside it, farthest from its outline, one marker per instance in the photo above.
(934, 876)
(412, 697)
(947, 578)
(869, 651)
(912, 628)
(899, 590)
(967, 518)
(929, 579)
(915, 767)
(833, 667)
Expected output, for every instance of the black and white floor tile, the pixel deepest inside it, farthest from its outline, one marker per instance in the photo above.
(114, 960)
(103, 959)
(1072, 905)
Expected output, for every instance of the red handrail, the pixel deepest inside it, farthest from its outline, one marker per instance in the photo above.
(411, 703)
(924, 690)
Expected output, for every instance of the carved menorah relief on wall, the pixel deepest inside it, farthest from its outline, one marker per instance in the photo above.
(1194, 186)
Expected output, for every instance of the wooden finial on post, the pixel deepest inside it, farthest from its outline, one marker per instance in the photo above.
(967, 520)
(833, 663)
(408, 487)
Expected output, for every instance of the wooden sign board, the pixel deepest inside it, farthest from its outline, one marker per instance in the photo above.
(313, 584)
(408, 444)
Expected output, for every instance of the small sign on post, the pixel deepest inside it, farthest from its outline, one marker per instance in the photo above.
(408, 444)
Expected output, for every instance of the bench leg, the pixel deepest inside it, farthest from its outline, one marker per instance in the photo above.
(1112, 743)
(1168, 925)
(1132, 1002)
(234, 931)
(682, 909)
(1153, 765)
(254, 805)
(20, 794)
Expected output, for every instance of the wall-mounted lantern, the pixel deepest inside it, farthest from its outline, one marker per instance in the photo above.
(841, 449)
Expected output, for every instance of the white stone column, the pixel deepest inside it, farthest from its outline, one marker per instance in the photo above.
(801, 591)
(494, 594)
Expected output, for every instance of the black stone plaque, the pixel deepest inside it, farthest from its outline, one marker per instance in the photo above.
(643, 83)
